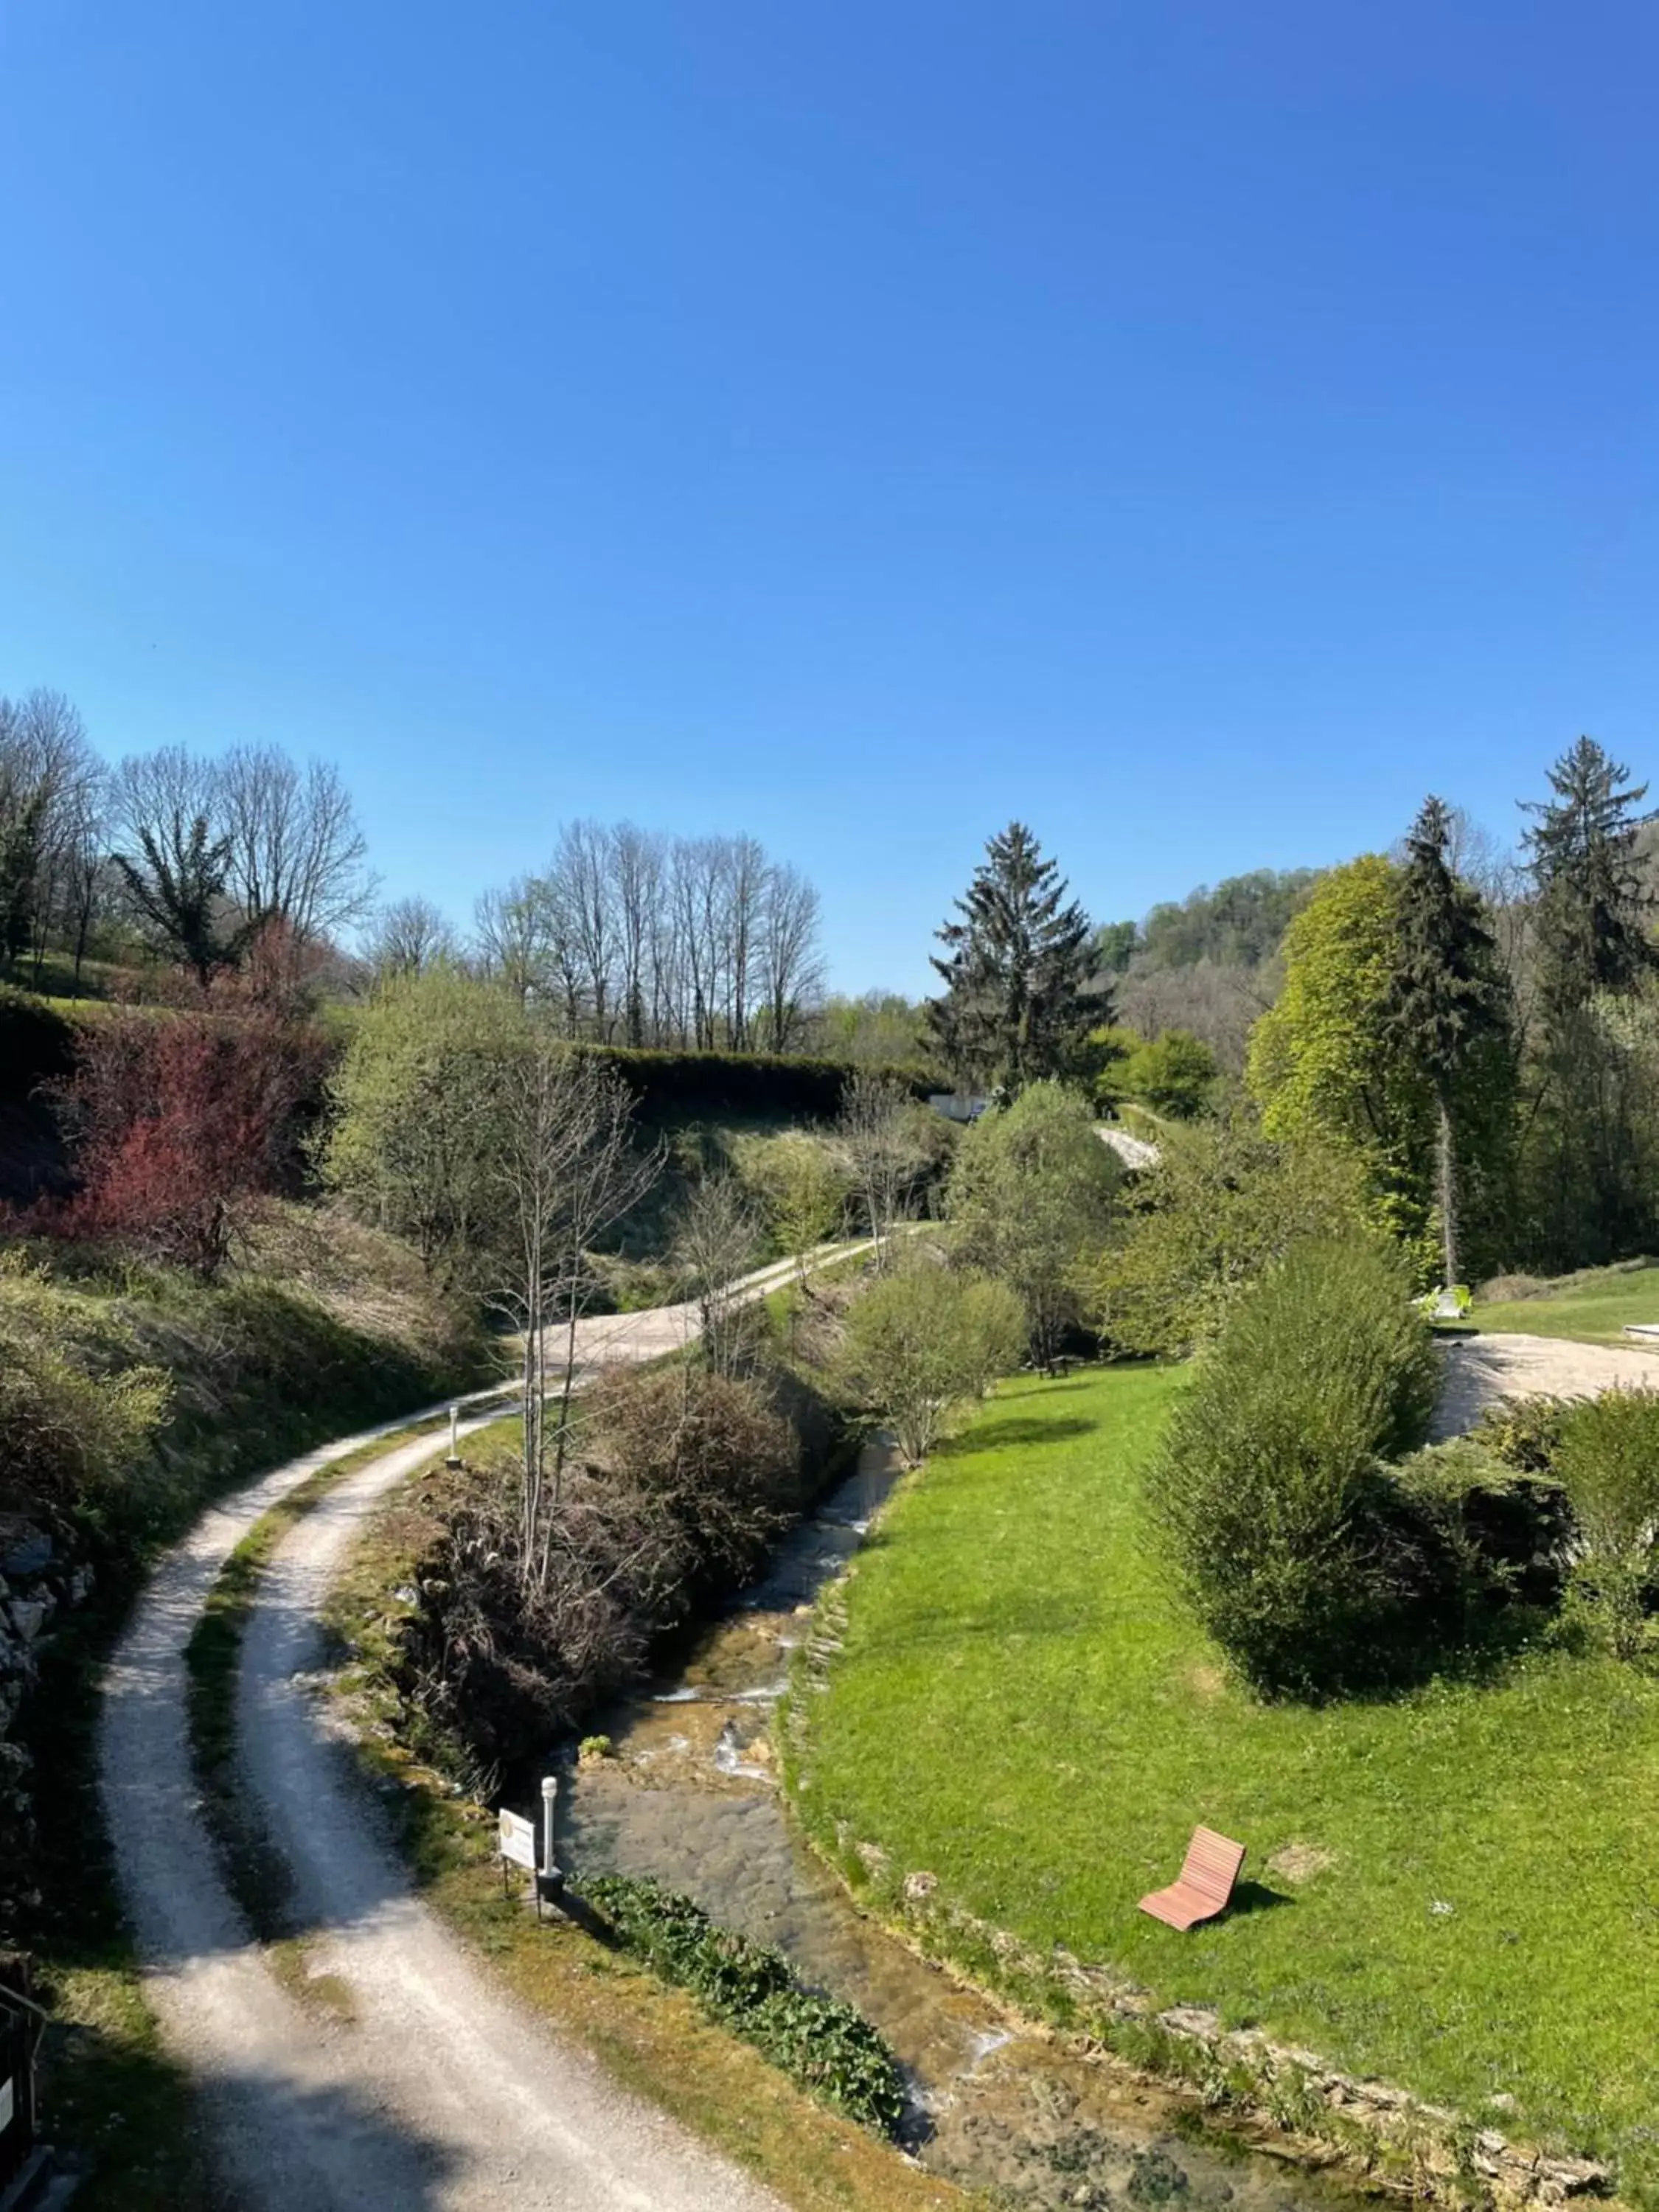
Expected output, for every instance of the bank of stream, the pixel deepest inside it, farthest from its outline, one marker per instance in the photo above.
(690, 1797)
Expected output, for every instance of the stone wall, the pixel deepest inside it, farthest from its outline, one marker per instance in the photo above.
(38, 1583)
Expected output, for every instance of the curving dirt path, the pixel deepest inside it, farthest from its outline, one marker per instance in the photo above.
(423, 2085)
(1481, 1371)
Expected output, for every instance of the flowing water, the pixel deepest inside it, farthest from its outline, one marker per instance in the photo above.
(1000, 2107)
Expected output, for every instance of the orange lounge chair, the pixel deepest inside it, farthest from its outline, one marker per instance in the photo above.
(1205, 1885)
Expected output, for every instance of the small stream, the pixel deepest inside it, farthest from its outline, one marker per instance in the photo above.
(691, 1799)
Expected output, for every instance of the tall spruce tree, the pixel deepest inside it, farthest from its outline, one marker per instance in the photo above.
(1592, 906)
(1448, 998)
(1015, 970)
(1589, 1165)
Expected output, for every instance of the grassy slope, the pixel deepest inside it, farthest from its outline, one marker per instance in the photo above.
(1593, 1307)
(1022, 1709)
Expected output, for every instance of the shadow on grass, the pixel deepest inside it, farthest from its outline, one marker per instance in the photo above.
(1255, 1897)
(990, 1434)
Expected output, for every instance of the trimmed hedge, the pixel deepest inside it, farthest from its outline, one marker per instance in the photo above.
(680, 1086)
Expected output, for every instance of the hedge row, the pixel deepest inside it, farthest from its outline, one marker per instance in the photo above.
(37, 1044)
(681, 1085)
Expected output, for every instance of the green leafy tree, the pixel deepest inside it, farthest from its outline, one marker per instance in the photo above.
(803, 1189)
(1326, 1064)
(1114, 945)
(925, 1339)
(418, 1134)
(1450, 1004)
(1029, 1201)
(1221, 1202)
(1101, 1062)
(1237, 924)
(1015, 970)
(1174, 1075)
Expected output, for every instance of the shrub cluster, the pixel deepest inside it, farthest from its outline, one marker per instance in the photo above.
(78, 1409)
(826, 2045)
(681, 1479)
(1606, 1459)
(1287, 1536)
(1220, 1203)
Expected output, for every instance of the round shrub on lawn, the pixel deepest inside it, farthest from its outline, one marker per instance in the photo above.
(1269, 1496)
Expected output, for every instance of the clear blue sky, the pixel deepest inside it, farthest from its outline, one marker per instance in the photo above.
(1196, 429)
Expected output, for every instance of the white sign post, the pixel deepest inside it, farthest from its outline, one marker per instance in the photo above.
(515, 1840)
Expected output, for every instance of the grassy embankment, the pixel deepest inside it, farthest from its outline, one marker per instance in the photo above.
(320, 1329)
(652, 2038)
(1466, 1904)
(1593, 1307)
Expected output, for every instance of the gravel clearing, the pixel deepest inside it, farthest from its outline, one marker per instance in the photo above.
(1481, 1371)
(423, 2084)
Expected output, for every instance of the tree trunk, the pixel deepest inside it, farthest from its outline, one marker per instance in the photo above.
(1445, 1177)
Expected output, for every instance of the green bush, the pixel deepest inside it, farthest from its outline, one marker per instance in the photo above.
(924, 1340)
(1268, 1495)
(1499, 1533)
(1031, 1199)
(1607, 1459)
(827, 2046)
(1221, 1202)
(1525, 1433)
(78, 1411)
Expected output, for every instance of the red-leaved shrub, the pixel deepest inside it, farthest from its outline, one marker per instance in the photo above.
(180, 1121)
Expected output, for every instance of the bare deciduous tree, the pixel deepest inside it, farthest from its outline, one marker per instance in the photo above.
(569, 1169)
(691, 941)
(409, 935)
(510, 930)
(53, 797)
(876, 1133)
(716, 1236)
(791, 968)
(296, 852)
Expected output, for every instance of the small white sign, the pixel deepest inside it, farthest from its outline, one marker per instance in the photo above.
(517, 1840)
(7, 2105)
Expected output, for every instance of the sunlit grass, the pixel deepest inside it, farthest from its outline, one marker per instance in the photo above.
(1593, 1307)
(1024, 1709)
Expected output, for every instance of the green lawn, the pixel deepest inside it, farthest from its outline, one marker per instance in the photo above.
(1022, 1708)
(1593, 1308)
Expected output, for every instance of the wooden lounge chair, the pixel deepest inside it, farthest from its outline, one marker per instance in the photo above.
(1205, 1885)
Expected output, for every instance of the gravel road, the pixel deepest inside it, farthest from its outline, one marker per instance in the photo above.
(428, 2087)
(1479, 1370)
